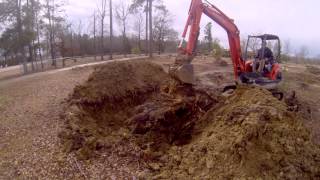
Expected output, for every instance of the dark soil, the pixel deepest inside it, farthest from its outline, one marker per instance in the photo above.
(249, 135)
(136, 98)
(134, 109)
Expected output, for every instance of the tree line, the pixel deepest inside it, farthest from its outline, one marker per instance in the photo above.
(35, 30)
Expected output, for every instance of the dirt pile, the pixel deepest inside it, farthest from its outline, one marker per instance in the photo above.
(135, 110)
(131, 102)
(250, 135)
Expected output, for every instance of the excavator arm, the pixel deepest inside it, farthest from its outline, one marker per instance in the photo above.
(197, 9)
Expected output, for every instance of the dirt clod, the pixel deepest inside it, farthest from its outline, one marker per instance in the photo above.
(136, 110)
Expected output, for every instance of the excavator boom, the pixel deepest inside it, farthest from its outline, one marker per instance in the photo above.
(197, 8)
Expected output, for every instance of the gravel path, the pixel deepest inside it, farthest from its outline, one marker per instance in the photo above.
(30, 123)
(30, 109)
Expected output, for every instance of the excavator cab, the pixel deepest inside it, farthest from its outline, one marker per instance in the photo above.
(262, 55)
(262, 69)
(262, 42)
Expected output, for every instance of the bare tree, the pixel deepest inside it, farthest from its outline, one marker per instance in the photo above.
(20, 35)
(208, 36)
(150, 29)
(71, 42)
(287, 47)
(50, 7)
(111, 28)
(102, 12)
(94, 36)
(39, 49)
(147, 26)
(12, 38)
(29, 30)
(139, 22)
(143, 6)
(243, 44)
(302, 53)
(162, 27)
(79, 36)
(122, 14)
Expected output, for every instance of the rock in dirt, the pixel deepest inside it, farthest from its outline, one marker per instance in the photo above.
(181, 132)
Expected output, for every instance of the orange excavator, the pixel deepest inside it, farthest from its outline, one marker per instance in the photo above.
(262, 70)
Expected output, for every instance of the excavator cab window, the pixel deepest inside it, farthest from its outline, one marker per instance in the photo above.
(252, 47)
(263, 46)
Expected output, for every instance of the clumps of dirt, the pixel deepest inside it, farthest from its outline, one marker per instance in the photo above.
(131, 102)
(249, 135)
(134, 109)
(313, 70)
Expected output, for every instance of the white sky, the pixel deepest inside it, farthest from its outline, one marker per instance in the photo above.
(297, 20)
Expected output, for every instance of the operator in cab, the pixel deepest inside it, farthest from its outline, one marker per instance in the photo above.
(264, 59)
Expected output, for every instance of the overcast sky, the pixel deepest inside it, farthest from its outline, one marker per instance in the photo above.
(294, 20)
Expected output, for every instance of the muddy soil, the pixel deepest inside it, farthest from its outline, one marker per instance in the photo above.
(136, 110)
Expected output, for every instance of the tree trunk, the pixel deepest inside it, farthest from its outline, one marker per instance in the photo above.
(147, 26)
(28, 29)
(35, 54)
(39, 46)
(103, 15)
(79, 39)
(72, 48)
(150, 29)
(124, 40)
(159, 46)
(21, 49)
(139, 39)
(5, 61)
(111, 29)
(51, 35)
(13, 57)
(102, 45)
(38, 39)
(94, 36)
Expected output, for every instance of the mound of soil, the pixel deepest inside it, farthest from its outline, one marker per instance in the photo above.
(250, 135)
(135, 110)
(131, 102)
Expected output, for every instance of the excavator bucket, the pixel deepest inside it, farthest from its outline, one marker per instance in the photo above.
(183, 73)
(182, 70)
